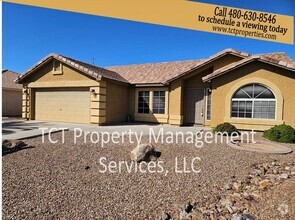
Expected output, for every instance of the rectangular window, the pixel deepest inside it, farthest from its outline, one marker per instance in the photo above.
(208, 106)
(241, 109)
(159, 102)
(143, 102)
(264, 109)
(253, 109)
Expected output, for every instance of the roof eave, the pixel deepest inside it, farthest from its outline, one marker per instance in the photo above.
(218, 56)
(287, 66)
(48, 58)
(149, 84)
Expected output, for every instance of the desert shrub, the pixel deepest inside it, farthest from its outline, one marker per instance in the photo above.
(280, 133)
(225, 128)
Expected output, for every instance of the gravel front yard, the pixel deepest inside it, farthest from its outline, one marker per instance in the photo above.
(52, 181)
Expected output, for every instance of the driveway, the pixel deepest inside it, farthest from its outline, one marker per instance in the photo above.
(16, 129)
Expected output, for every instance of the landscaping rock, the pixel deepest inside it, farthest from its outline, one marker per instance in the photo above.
(165, 216)
(9, 146)
(242, 217)
(249, 197)
(237, 186)
(28, 170)
(284, 176)
(142, 152)
(6, 144)
(247, 217)
(264, 184)
(227, 187)
(225, 202)
(187, 212)
(19, 144)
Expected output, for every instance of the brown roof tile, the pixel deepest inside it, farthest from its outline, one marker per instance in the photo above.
(8, 78)
(91, 70)
(281, 56)
(97, 71)
(162, 73)
(278, 59)
(153, 73)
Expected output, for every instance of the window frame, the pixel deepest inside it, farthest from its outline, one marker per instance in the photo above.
(153, 102)
(151, 92)
(253, 100)
(207, 95)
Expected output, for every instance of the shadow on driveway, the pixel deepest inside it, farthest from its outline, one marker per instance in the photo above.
(11, 127)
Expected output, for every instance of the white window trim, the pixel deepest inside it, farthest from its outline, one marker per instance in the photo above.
(256, 99)
(151, 90)
(207, 93)
(253, 100)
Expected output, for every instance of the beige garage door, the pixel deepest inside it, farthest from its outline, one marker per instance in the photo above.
(65, 105)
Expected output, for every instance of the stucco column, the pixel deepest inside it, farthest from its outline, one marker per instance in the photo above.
(176, 103)
(25, 103)
(98, 104)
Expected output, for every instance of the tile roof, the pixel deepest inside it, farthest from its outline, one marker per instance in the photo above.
(90, 70)
(154, 73)
(278, 56)
(162, 73)
(8, 78)
(277, 59)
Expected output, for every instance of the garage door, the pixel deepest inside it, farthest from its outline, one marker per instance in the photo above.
(65, 105)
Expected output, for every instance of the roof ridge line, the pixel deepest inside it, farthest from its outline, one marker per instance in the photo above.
(151, 63)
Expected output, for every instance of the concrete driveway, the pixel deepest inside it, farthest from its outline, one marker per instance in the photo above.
(16, 129)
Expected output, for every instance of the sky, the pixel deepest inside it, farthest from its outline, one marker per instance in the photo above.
(31, 33)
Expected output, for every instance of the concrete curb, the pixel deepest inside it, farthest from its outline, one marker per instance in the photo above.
(262, 146)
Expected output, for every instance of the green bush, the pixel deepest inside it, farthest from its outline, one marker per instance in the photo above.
(280, 133)
(225, 128)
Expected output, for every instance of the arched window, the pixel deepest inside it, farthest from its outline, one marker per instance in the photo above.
(253, 101)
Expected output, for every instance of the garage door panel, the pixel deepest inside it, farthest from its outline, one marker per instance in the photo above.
(63, 105)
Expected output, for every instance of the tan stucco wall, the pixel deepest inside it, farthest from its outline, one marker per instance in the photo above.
(131, 101)
(192, 80)
(112, 102)
(44, 77)
(176, 102)
(280, 81)
(117, 103)
(46, 74)
(225, 60)
(98, 103)
(11, 102)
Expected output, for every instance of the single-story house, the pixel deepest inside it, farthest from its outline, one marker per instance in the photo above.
(249, 91)
(11, 94)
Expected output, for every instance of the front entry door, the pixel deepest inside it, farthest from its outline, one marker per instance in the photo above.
(195, 106)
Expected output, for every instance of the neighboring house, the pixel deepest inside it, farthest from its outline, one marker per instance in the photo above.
(249, 91)
(11, 94)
